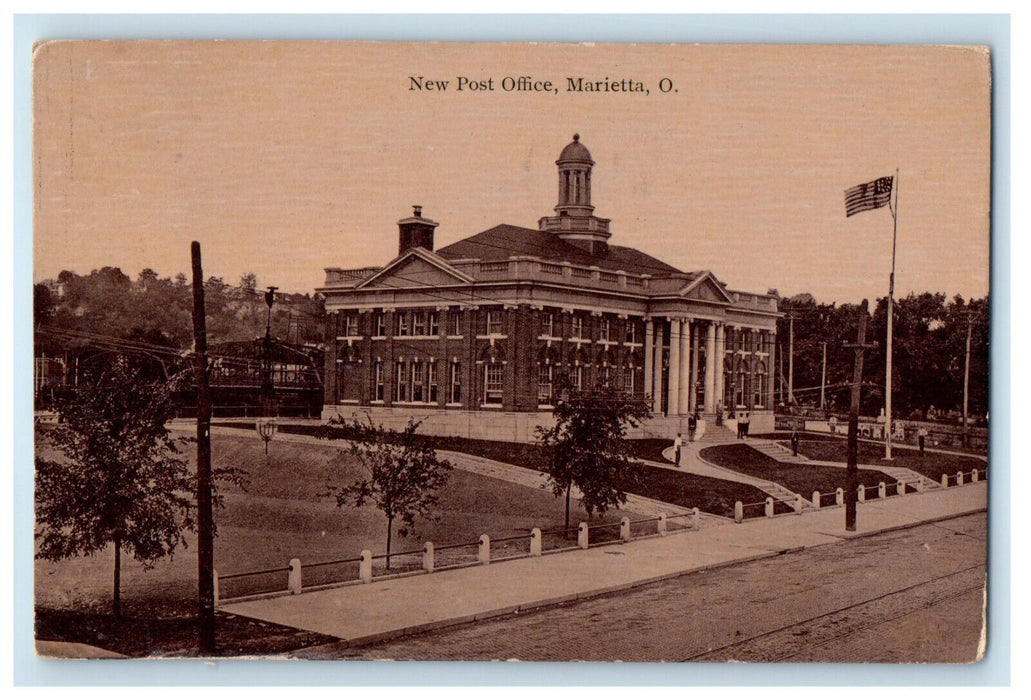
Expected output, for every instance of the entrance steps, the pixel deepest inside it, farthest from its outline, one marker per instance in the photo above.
(777, 451)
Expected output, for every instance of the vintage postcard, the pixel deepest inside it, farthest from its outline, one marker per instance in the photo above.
(475, 351)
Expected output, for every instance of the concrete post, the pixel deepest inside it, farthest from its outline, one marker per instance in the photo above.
(816, 500)
(974, 476)
(945, 481)
(483, 554)
(365, 567)
(695, 517)
(624, 529)
(839, 496)
(428, 557)
(882, 490)
(769, 507)
(959, 478)
(583, 536)
(798, 503)
(862, 493)
(900, 488)
(739, 512)
(660, 527)
(535, 542)
(214, 575)
(293, 579)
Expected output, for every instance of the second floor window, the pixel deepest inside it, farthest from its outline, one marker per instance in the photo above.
(578, 326)
(418, 323)
(454, 322)
(350, 324)
(401, 325)
(432, 326)
(493, 323)
(605, 328)
(631, 331)
(548, 324)
(380, 324)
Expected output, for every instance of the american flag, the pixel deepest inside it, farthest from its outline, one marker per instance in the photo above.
(869, 195)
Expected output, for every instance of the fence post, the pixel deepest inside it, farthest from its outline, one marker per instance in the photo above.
(769, 507)
(624, 529)
(959, 478)
(365, 567)
(798, 504)
(483, 555)
(535, 542)
(945, 481)
(660, 526)
(214, 575)
(974, 476)
(695, 517)
(882, 490)
(739, 512)
(583, 536)
(862, 493)
(428, 557)
(816, 500)
(900, 488)
(293, 579)
(839, 496)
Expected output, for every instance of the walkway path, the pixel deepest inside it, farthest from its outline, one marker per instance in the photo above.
(389, 608)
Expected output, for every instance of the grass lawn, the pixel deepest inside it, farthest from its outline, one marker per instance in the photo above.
(931, 465)
(713, 496)
(282, 514)
(800, 478)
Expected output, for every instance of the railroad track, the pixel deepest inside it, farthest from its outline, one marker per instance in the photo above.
(795, 640)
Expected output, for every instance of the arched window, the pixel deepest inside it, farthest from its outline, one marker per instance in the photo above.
(606, 367)
(742, 384)
(761, 385)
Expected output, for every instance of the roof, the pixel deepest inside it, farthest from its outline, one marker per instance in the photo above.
(575, 151)
(504, 241)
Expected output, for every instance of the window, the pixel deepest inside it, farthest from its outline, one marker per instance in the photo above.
(628, 378)
(417, 373)
(548, 324)
(760, 386)
(381, 324)
(400, 383)
(351, 324)
(401, 325)
(605, 375)
(431, 381)
(418, 323)
(578, 377)
(493, 380)
(578, 326)
(545, 380)
(631, 331)
(455, 384)
(377, 381)
(455, 322)
(493, 323)
(432, 325)
(605, 329)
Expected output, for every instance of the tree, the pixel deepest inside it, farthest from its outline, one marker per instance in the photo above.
(588, 447)
(121, 482)
(402, 473)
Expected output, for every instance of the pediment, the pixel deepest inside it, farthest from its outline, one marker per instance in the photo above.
(707, 288)
(417, 267)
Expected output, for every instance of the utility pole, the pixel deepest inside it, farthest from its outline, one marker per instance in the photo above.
(966, 381)
(791, 359)
(823, 375)
(852, 468)
(205, 523)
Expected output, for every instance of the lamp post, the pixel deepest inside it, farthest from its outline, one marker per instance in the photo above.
(266, 424)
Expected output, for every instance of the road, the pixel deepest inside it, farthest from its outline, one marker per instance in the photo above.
(905, 596)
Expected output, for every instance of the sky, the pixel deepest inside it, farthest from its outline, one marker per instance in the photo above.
(284, 158)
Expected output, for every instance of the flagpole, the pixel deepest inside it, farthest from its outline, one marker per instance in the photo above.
(891, 313)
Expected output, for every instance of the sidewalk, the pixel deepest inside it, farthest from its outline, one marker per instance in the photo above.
(385, 609)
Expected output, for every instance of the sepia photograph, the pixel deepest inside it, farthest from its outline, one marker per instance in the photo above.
(445, 351)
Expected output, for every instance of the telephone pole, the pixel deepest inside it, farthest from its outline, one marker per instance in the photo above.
(205, 523)
(966, 382)
(823, 376)
(791, 359)
(852, 467)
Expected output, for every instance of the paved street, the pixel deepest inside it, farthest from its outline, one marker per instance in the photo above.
(906, 595)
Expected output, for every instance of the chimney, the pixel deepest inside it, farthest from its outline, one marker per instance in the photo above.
(415, 231)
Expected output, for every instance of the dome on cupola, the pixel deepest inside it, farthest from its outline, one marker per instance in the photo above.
(575, 151)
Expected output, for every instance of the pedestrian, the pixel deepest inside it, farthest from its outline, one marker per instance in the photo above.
(794, 442)
(740, 426)
(922, 437)
(719, 414)
(677, 444)
(747, 421)
(692, 426)
(833, 423)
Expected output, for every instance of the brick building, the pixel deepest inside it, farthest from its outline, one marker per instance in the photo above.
(472, 337)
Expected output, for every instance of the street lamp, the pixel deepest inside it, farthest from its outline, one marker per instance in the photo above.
(266, 424)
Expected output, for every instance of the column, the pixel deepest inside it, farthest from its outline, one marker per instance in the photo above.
(750, 399)
(771, 367)
(721, 347)
(710, 368)
(674, 366)
(660, 331)
(692, 396)
(685, 367)
(647, 356)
